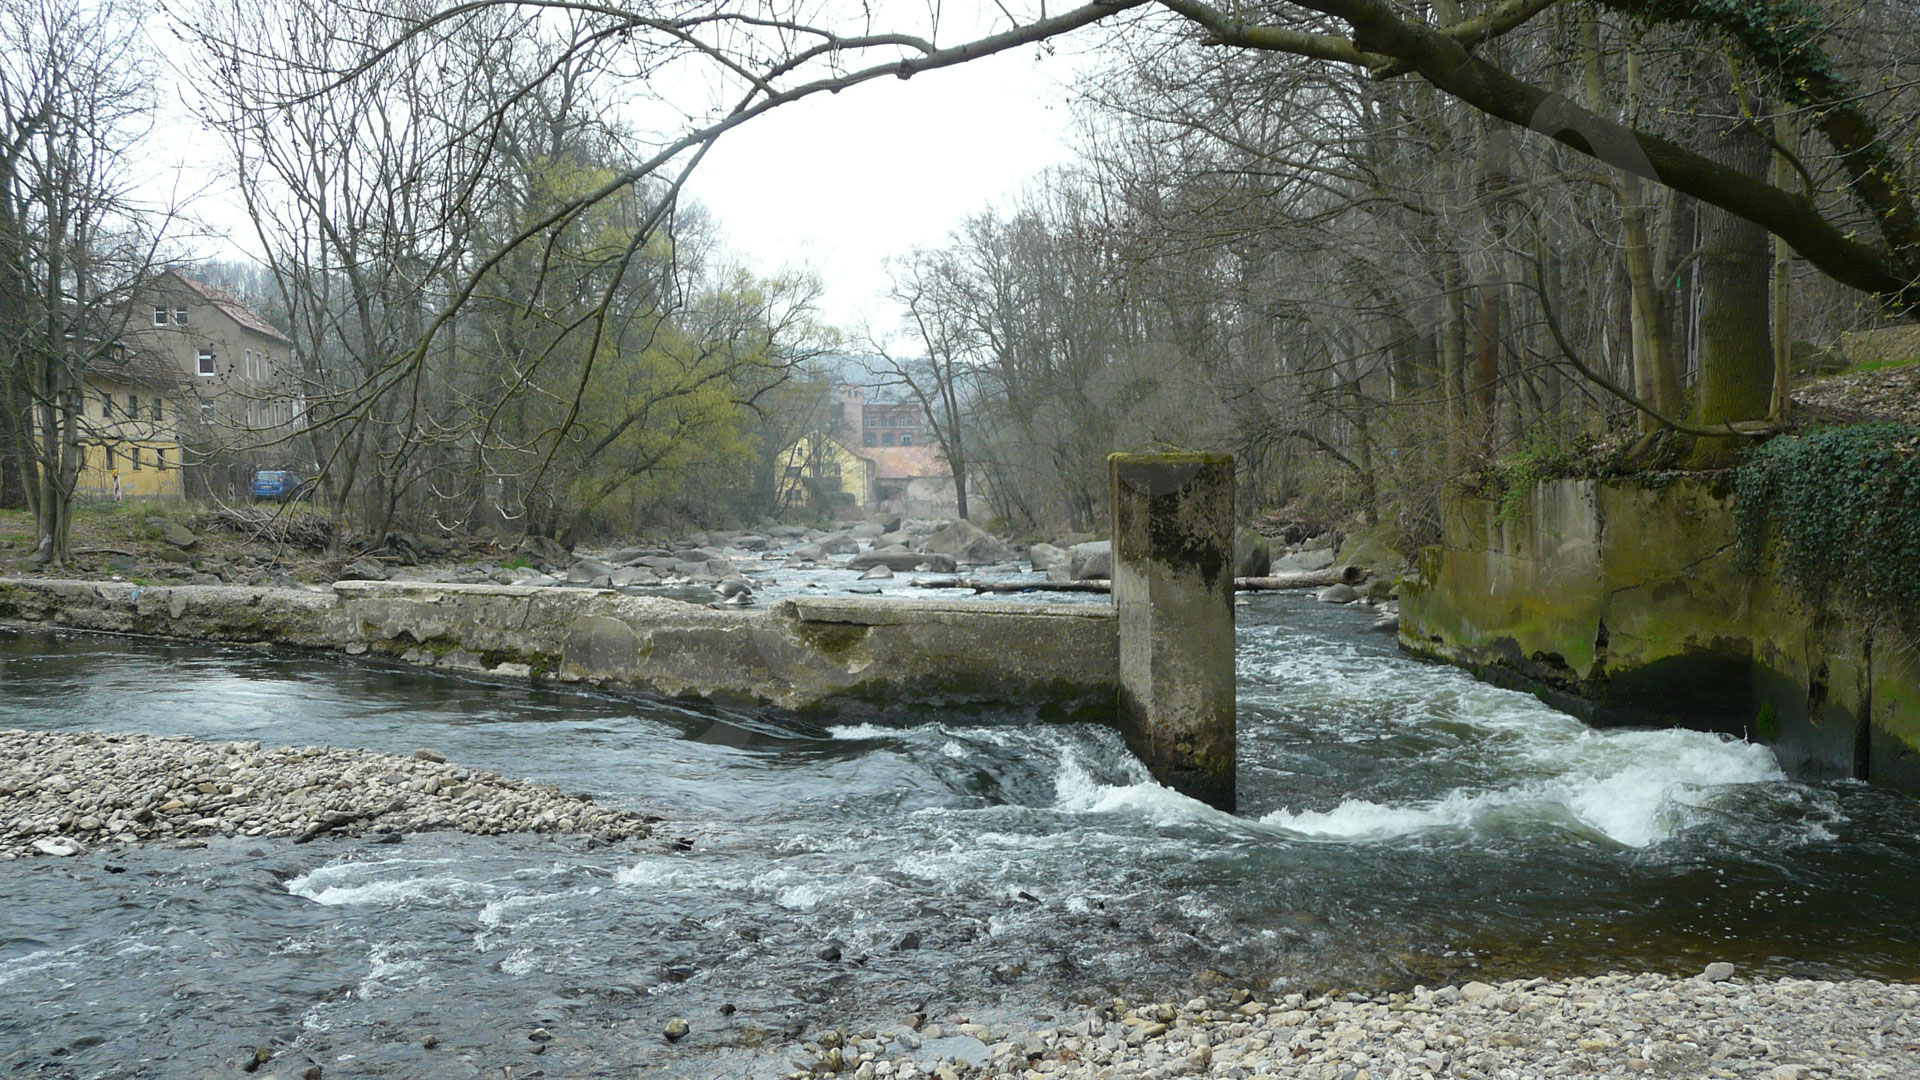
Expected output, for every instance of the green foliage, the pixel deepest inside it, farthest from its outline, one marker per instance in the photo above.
(1841, 507)
(1511, 480)
(1766, 725)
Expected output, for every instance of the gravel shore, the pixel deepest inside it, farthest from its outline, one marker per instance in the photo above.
(1709, 1026)
(62, 793)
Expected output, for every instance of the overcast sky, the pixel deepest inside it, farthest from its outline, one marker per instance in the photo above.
(841, 182)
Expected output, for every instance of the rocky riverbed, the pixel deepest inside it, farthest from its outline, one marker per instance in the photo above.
(1710, 1025)
(62, 793)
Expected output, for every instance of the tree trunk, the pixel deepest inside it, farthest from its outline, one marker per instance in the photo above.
(1736, 351)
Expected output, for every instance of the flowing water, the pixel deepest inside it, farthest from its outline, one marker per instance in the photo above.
(1400, 823)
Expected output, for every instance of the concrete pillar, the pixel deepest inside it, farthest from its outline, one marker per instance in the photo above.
(1173, 586)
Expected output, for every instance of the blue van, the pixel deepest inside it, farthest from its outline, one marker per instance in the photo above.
(277, 485)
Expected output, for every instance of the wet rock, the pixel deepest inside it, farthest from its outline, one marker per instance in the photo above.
(908, 941)
(429, 754)
(876, 572)
(59, 847)
(1044, 557)
(966, 543)
(1718, 972)
(838, 544)
(630, 576)
(1337, 594)
(192, 790)
(540, 1034)
(588, 571)
(900, 561)
(1090, 561)
(1252, 556)
(676, 1030)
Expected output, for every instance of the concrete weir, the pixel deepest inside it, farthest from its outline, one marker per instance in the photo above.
(1159, 664)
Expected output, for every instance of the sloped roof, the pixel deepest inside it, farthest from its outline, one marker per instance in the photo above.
(231, 306)
(139, 367)
(907, 462)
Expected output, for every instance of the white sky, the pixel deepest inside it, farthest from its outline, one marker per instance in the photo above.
(839, 183)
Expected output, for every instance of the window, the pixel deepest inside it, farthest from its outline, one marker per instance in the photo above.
(158, 412)
(906, 438)
(206, 362)
(886, 439)
(160, 457)
(106, 406)
(206, 412)
(870, 421)
(179, 316)
(868, 439)
(133, 406)
(135, 455)
(159, 316)
(109, 457)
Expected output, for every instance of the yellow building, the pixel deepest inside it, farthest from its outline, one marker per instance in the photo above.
(820, 471)
(130, 428)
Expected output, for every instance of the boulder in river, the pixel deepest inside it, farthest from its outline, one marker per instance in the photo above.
(1044, 557)
(1091, 560)
(900, 561)
(1252, 557)
(967, 543)
(1337, 594)
(874, 572)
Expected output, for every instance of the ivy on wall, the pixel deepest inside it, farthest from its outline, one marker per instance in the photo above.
(1841, 506)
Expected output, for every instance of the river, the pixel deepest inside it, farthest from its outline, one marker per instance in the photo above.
(1400, 823)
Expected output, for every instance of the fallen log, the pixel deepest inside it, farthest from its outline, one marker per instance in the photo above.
(1304, 579)
(1098, 585)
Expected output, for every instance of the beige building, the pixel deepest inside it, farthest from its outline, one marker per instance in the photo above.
(130, 428)
(239, 385)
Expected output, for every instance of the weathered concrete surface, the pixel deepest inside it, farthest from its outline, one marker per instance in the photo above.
(1625, 601)
(805, 655)
(1173, 582)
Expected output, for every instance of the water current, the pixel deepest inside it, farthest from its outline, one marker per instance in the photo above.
(1399, 823)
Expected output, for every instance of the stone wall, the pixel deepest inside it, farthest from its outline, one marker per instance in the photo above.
(841, 656)
(1625, 601)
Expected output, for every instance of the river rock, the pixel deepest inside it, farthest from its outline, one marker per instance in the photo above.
(589, 572)
(629, 576)
(1252, 557)
(1720, 971)
(1337, 594)
(967, 543)
(1044, 557)
(545, 550)
(900, 561)
(364, 570)
(1303, 561)
(874, 572)
(838, 543)
(1090, 561)
(192, 790)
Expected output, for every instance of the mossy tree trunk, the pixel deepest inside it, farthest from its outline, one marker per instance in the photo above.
(1736, 345)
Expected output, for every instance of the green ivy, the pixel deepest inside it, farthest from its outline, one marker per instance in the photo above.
(1841, 509)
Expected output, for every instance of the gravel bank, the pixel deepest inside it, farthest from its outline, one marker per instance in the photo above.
(1709, 1026)
(62, 793)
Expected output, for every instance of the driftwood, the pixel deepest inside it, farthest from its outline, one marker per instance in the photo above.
(977, 585)
(1305, 579)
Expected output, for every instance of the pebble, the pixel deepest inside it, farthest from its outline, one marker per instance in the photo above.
(61, 793)
(1615, 1025)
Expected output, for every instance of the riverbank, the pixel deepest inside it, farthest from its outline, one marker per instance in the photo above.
(1710, 1025)
(63, 793)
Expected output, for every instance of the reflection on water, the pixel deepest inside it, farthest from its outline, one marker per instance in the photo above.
(1400, 822)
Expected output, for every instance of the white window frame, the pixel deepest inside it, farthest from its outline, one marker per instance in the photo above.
(179, 316)
(159, 316)
(206, 365)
